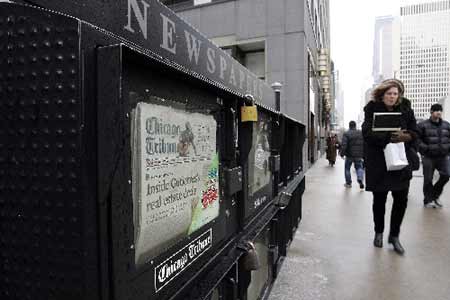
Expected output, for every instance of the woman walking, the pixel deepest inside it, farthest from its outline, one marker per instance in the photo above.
(332, 146)
(387, 97)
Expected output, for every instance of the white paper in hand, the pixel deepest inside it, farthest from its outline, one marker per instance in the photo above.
(395, 156)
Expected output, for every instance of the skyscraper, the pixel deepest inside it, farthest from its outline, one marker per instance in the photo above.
(386, 48)
(425, 54)
(339, 101)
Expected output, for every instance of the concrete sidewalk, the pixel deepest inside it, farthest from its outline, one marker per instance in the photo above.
(332, 255)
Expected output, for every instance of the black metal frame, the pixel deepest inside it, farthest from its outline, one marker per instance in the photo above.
(143, 74)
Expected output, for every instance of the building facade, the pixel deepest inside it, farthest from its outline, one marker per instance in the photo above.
(445, 102)
(283, 41)
(425, 54)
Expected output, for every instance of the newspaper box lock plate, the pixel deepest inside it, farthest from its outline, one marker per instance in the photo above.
(249, 113)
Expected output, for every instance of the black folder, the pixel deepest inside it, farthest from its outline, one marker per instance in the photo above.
(386, 121)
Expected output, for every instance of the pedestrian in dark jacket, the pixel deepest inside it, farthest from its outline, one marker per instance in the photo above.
(352, 147)
(388, 98)
(434, 145)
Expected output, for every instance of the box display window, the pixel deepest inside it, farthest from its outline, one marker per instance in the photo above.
(260, 176)
(175, 174)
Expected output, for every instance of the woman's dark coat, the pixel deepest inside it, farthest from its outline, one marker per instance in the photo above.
(378, 179)
(332, 144)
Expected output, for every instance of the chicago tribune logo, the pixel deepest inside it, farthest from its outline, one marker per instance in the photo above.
(178, 262)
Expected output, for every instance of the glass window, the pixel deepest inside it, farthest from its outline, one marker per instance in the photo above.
(251, 56)
(200, 2)
(172, 2)
(255, 62)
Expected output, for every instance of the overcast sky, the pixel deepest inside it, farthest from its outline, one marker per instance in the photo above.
(352, 28)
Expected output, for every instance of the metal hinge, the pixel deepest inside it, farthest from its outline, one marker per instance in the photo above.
(233, 181)
(275, 163)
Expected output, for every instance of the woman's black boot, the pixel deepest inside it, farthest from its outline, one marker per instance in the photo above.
(378, 240)
(396, 243)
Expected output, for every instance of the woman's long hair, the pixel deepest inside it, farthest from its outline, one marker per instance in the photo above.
(381, 89)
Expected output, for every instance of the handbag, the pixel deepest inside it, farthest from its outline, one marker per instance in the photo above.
(413, 158)
(395, 156)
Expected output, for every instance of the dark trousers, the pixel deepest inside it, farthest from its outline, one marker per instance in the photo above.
(430, 191)
(397, 214)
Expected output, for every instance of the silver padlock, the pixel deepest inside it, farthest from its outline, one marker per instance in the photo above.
(251, 258)
(283, 199)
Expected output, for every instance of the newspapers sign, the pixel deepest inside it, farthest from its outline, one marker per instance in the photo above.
(175, 176)
(150, 25)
